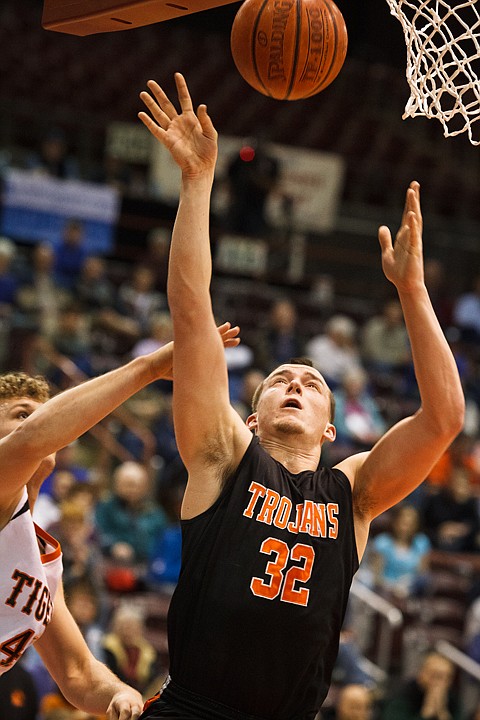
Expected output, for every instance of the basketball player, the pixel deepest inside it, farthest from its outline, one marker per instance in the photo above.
(32, 608)
(271, 540)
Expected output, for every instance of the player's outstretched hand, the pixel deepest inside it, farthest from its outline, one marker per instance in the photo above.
(126, 704)
(402, 262)
(190, 138)
(162, 359)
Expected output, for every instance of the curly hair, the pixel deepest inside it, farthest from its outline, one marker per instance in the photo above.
(21, 385)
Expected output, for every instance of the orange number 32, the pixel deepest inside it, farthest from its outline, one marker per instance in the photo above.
(285, 583)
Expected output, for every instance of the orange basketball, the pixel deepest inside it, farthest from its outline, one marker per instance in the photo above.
(289, 49)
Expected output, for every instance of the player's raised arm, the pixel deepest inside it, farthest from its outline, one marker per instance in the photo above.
(210, 436)
(403, 457)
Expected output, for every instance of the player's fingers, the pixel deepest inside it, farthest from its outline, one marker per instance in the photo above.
(385, 238)
(206, 123)
(156, 131)
(160, 116)
(233, 342)
(162, 99)
(183, 94)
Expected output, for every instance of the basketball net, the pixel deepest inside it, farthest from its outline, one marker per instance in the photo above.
(443, 52)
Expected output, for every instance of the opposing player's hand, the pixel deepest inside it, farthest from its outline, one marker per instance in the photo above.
(229, 335)
(164, 357)
(402, 262)
(127, 704)
(190, 138)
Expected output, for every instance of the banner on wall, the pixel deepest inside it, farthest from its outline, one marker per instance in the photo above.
(310, 181)
(35, 208)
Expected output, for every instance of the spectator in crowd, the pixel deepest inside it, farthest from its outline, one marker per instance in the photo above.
(430, 694)
(68, 458)
(53, 157)
(18, 695)
(335, 351)
(129, 519)
(358, 419)
(280, 340)
(76, 534)
(156, 256)
(70, 255)
(385, 346)
(47, 510)
(354, 702)
(451, 517)
(127, 651)
(39, 297)
(138, 298)
(93, 289)
(159, 333)
(462, 453)
(466, 313)
(70, 340)
(166, 555)
(400, 556)
(351, 666)
(253, 174)
(85, 604)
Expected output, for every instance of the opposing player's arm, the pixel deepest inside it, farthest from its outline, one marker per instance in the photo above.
(211, 437)
(402, 458)
(84, 681)
(65, 417)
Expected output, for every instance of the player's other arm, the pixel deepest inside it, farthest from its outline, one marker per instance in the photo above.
(211, 437)
(84, 681)
(71, 413)
(402, 458)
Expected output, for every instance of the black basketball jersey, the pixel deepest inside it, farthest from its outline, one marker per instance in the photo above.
(255, 619)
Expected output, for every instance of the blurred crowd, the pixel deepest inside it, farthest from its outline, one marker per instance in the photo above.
(114, 502)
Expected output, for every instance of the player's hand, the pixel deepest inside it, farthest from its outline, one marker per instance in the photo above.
(190, 138)
(402, 262)
(126, 704)
(229, 336)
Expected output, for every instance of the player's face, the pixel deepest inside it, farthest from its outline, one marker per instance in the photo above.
(295, 400)
(13, 411)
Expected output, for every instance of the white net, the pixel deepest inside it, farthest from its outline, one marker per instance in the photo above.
(443, 62)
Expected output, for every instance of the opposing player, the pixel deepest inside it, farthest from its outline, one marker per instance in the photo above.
(32, 608)
(271, 540)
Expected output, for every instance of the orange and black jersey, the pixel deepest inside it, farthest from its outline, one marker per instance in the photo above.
(254, 622)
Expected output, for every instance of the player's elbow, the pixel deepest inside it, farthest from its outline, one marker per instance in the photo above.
(450, 421)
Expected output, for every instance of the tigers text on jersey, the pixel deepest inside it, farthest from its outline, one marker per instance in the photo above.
(254, 622)
(28, 583)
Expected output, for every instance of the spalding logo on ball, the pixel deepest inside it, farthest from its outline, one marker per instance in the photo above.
(289, 49)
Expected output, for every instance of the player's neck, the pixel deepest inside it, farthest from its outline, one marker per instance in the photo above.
(293, 458)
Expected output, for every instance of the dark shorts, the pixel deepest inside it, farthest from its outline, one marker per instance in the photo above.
(176, 703)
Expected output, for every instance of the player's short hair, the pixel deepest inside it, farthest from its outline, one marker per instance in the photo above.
(21, 385)
(293, 361)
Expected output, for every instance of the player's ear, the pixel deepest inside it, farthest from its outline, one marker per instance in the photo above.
(330, 433)
(251, 423)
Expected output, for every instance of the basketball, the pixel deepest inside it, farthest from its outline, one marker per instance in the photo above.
(289, 49)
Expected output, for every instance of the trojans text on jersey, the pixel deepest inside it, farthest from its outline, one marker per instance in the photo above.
(315, 519)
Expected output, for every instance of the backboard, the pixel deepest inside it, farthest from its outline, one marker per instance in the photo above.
(87, 17)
